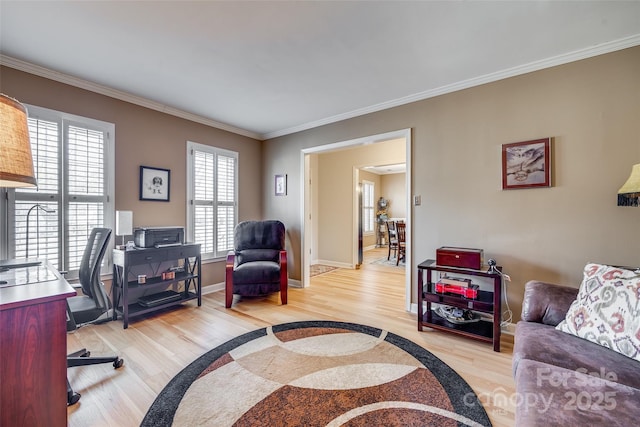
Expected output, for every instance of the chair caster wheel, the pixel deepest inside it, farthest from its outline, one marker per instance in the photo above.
(73, 399)
(118, 363)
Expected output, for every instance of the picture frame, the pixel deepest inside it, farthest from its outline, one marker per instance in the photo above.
(281, 185)
(155, 184)
(526, 164)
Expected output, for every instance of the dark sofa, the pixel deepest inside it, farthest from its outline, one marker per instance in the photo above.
(563, 380)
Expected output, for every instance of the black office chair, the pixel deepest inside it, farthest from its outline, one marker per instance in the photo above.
(92, 306)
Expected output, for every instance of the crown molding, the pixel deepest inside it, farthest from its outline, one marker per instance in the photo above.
(578, 55)
(37, 70)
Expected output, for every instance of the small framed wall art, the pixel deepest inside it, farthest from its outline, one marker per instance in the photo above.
(281, 185)
(526, 164)
(155, 184)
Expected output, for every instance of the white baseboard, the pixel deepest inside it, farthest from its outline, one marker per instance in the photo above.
(334, 263)
(212, 288)
(414, 308)
(509, 329)
(293, 283)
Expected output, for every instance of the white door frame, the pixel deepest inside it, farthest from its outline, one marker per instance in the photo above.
(305, 203)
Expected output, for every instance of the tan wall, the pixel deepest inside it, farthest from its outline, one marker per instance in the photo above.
(394, 189)
(150, 138)
(336, 196)
(315, 205)
(591, 108)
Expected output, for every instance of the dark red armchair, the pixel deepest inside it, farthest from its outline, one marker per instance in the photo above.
(258, 264)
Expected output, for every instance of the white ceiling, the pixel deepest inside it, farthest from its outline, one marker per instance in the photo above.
(265, 69)
(387, 169)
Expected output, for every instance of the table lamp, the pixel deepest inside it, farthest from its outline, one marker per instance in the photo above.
(629, 194)
(16, 163)
(124, 224)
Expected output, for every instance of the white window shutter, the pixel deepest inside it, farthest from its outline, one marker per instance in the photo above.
(213, 191)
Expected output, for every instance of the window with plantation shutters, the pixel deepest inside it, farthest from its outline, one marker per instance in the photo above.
(367, 206)
(73, 163)
(212, 208)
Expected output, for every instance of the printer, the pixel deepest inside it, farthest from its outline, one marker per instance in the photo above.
(159, 237)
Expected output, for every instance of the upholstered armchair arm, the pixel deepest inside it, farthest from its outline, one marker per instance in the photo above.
(546, 303)
(228, 279)
(284, 277)
(231, 259)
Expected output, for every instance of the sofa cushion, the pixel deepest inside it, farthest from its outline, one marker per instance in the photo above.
(257, 272)
(552, 396)
(607, 309)
(546, 302)
(543, 343)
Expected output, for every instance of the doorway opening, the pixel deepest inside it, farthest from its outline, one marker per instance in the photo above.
(345, 205)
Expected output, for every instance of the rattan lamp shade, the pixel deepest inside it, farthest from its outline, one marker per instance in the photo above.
(16, 163)
(629, 194)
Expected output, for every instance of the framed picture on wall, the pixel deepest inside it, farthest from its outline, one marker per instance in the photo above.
(281, 185)
(526, 164)
(154, 183)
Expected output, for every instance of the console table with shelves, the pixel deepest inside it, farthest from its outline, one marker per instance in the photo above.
(489, 302)
(128, 264)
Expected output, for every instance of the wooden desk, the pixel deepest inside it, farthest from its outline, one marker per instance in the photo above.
(33, 348)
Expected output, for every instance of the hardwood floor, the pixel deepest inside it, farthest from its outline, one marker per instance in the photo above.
(157, 347)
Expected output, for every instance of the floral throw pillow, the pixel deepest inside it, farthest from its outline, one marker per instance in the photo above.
(607, 309)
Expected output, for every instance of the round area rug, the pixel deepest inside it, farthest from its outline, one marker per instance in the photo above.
(317, 374)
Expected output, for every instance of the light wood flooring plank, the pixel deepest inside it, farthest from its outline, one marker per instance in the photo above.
(157, 347)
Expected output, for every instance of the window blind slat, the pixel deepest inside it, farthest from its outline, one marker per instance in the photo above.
(368, 206)
(76, 207)
(214, 212)
(44, 136)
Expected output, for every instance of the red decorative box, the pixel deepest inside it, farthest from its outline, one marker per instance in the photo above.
(470, 292)
(459, 257)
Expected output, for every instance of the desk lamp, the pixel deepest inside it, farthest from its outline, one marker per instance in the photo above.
(629, 194)
(16, 163)
(124, 224)
(44, 209)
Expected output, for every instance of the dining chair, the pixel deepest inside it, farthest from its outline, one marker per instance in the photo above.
(401, 228)
(393, 239)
